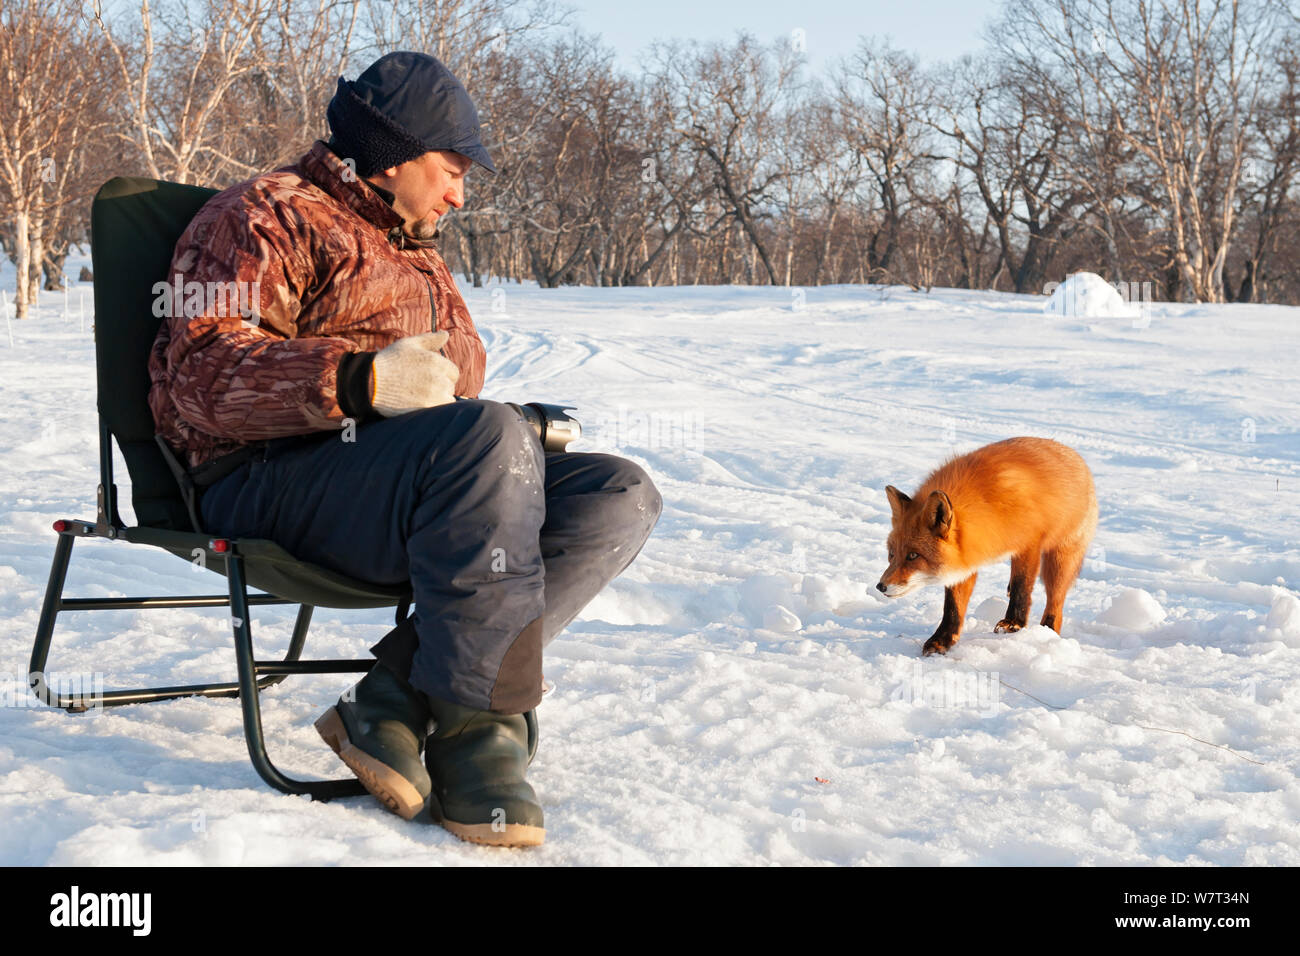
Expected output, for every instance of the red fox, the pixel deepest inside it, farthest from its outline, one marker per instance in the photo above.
(1028, 498)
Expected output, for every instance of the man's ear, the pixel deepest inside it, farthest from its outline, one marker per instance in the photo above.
(938, 514)
(897, 500)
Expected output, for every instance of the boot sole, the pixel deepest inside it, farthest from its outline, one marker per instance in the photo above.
(514, 834)
(387, 785)
(488, 834)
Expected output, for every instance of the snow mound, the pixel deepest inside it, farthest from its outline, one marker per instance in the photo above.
(1284, 615)
(1134, 610)
(843, 595)
(990, 609)
(758, 594)
(781, 619)
(1087, 294)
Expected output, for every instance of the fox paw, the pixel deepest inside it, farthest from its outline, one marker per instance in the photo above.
(938, 644)
(1006, 627)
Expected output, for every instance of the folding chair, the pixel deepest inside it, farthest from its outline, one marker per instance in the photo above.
(135, 224)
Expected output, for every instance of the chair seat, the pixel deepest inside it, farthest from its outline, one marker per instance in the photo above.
(271, 568)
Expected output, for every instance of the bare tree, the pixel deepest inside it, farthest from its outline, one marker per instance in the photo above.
(829, 174)
(1009, 146)
(725, 105)
(1183, 80)
(883, 105)
(1139, 138)
(461, 33)
(1273, 168)
(177, 68)
(652, 209)
(47, 119)
(299, 54)
(557, 196)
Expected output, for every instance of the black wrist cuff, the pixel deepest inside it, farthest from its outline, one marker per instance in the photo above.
(353, 386)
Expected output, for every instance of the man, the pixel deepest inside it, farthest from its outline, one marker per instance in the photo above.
(340, 420)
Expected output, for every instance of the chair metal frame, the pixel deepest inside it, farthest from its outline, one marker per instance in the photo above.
(253, 675)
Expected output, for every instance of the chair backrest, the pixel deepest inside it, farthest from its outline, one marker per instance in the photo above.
(134, 226)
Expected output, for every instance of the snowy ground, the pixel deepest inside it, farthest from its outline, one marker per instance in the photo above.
(742, 695)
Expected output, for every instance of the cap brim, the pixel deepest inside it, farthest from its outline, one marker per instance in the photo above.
(477, 153)
(473, 151)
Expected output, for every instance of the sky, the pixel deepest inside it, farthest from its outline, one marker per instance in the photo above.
(932, 29)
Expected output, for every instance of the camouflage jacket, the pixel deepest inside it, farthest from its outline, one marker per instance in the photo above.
(280, 292)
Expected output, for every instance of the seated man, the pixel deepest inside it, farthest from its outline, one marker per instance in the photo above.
(338, 418)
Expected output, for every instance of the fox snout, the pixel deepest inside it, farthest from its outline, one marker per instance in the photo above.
(892, 584)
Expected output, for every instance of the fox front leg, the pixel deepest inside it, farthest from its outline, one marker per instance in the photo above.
(955, 599)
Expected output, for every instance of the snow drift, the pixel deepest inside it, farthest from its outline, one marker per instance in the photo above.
(1088, 295)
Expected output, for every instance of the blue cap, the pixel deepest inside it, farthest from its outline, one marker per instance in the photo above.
(404, 105)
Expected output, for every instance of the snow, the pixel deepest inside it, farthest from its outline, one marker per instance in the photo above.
(1133, 609)
(1088, 294)
(743, 695)
(1284, 618)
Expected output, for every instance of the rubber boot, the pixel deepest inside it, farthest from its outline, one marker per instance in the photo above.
(476, 761)
(377, 730)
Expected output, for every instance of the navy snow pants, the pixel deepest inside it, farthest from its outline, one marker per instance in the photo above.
(503, 543)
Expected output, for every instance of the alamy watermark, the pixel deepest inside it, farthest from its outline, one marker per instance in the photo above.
(75, 908)
(178, 298)
(627, 427)
(80, 691)
(948, 689)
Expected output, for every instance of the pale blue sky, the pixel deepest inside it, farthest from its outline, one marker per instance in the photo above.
(933, 29)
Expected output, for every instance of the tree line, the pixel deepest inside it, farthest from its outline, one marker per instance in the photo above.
(1151, 141)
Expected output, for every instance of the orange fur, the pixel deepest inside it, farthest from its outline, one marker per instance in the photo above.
(1028, 498)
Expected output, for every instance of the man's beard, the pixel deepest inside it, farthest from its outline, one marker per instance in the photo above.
(424, 230)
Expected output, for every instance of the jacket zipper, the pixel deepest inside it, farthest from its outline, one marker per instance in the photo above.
(428, 286)
(433, 308)
(433, 311)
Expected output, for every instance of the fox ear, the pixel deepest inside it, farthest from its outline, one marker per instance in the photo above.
(897, 500)
(938, 514)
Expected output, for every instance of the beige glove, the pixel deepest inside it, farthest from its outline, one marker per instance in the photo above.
(411, 374)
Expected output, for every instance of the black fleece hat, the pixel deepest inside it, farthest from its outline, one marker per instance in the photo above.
(404, 105)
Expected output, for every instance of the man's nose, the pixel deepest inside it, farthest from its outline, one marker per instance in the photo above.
(455, 196)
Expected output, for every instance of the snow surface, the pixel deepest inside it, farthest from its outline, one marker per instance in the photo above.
(742, 695)
(1088, 295)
